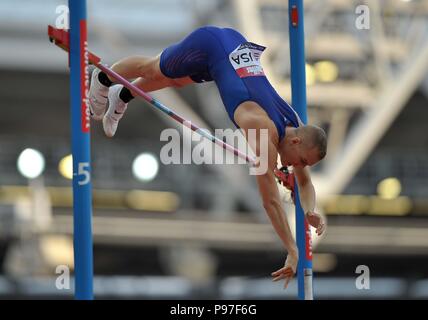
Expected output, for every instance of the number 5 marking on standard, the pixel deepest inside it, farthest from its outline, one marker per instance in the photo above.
(84, 170)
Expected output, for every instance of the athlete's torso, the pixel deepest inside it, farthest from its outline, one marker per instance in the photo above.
(224, 55)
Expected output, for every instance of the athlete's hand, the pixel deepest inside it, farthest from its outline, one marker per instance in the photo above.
(288, 271)
(316, 221)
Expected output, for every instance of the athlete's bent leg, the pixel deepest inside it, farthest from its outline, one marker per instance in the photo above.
(129, 68)
(137, 66)
(149, 70)
(149, 85)
(148, 77)
(118, 98)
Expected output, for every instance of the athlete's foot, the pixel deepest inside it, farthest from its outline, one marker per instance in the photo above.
(116, 109)
(97, 96)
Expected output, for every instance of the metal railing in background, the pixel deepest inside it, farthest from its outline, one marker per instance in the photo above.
(152, 287)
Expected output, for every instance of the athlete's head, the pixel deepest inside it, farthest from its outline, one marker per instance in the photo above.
(303, 146)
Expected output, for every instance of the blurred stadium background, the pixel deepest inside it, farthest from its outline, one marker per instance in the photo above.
(189, 231)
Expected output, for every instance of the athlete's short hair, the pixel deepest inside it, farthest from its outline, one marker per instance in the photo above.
(314, 136)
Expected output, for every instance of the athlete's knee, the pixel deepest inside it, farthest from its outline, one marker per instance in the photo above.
(147, 68)
(176, 84)
(180, 82)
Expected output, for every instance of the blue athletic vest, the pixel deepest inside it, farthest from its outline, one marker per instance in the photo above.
(223, 55)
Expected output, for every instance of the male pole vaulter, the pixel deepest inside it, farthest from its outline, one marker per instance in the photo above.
(223, 55)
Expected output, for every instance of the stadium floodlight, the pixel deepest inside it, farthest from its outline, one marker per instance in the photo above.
(31, 163)
(145, 167)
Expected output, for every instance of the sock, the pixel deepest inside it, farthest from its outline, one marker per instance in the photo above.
(104, 80)
(125, 95)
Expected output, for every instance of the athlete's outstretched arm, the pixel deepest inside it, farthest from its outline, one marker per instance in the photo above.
(250, 116)
(269, 193)
(308, 198)
(268, 189)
